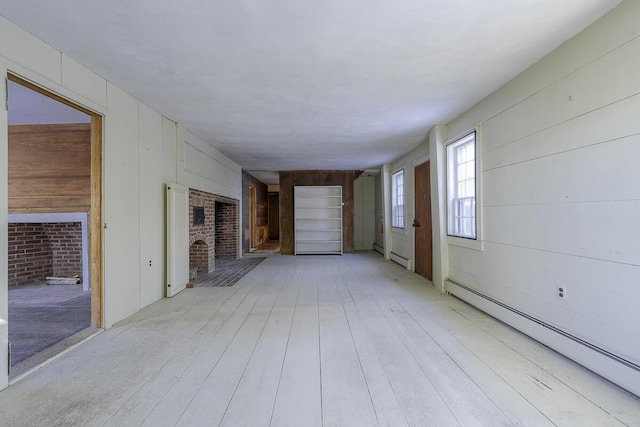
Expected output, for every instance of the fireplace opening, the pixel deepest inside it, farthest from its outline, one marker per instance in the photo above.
(213, 231)
(198, 258)
(226, 230)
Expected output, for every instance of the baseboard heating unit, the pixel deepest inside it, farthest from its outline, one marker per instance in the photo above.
(378, 248)
(401, 259)
(618, 370)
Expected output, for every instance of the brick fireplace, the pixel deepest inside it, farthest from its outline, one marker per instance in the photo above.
(217, 235)
(44, 245)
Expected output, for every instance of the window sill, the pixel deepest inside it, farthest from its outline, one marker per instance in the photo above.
(477, 245)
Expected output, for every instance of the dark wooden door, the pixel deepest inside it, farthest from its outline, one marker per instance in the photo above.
(422, 222)
(274, 216)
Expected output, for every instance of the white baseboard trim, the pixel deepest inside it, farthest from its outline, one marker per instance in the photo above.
(616, 369)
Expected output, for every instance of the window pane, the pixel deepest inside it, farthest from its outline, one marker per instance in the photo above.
(397, 199)
(461, 191)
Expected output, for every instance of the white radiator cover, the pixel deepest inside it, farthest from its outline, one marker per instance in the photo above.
(615, 369)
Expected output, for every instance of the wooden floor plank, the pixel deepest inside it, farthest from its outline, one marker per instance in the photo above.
(417, 399)
(346, 400)
(114, 370)
(261, 377)
(404, 286)
(315, 341)
(402, 395)
(423, 372)
(551, 397)
(387, 404)
(620, 404)
(298, 401)
(222, 303)
(212, 398)
(197, 369)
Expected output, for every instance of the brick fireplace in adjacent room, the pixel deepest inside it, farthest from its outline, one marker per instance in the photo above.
(214, 236)
(44, 245)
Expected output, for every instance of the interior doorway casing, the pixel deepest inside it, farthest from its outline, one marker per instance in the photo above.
(94, 211)
(4, 247)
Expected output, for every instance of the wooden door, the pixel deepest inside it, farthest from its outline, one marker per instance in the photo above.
(422, 222)
(177, 239)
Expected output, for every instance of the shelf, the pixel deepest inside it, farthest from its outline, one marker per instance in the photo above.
(318, 197)
(331, 219)
(319, 241)
(318, 219)
(319, 229)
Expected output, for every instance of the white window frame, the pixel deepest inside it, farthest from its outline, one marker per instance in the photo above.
(460, 239)
(397, 209)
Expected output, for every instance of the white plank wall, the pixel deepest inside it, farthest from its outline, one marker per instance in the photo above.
(121, 207)
(349, 340)
(560, 149)
(365, 215)
(202, 167)
(139, 158)
(151, 205)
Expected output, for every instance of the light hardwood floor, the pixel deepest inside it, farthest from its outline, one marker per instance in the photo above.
(347, 340)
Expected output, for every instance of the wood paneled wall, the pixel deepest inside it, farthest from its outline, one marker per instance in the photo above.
(289, 179)
(274, 216)
(50, 168)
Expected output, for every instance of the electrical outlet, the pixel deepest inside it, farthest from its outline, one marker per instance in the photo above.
(561, 292)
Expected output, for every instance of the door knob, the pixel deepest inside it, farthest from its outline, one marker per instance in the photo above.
(416, 223)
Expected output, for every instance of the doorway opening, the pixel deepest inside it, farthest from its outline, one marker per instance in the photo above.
(260, 214)
(54, 282)
(271, 245)
(198, 258)
(226, 230)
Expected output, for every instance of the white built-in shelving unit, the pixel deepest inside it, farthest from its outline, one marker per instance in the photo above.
(318, 219)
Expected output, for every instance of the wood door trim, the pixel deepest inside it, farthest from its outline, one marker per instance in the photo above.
(45, 92)
(95, 211)
(95, 220)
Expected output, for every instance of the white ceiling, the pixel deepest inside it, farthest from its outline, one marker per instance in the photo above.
(320, 84)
